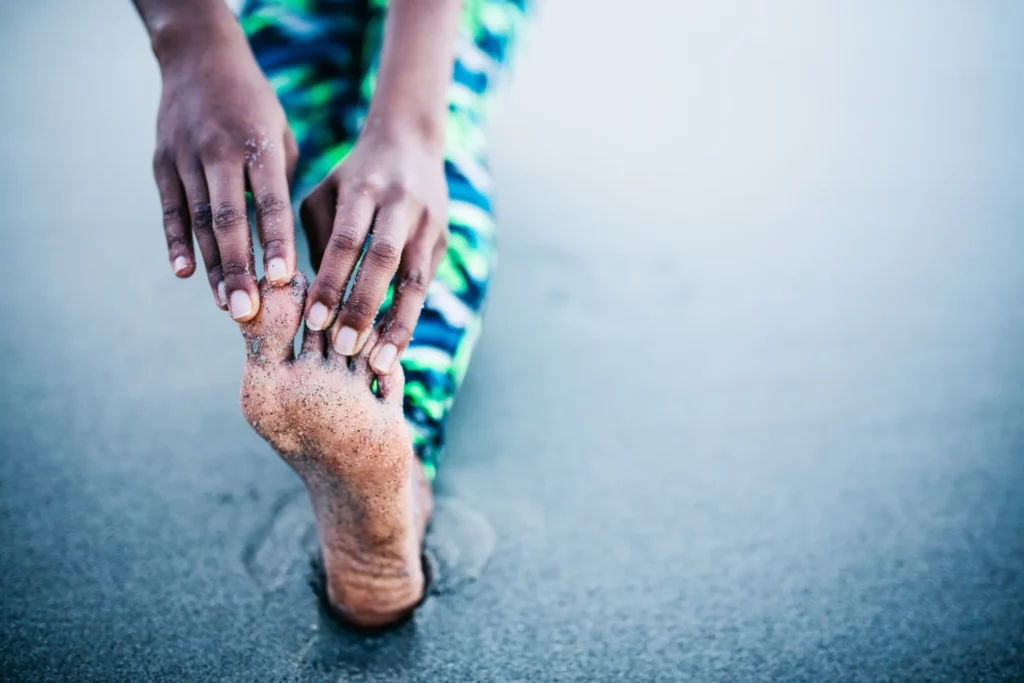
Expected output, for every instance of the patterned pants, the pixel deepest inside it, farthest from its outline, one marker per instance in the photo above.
(321, 57)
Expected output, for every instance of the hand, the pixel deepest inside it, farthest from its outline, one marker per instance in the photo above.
(391, 187)
(220, 131)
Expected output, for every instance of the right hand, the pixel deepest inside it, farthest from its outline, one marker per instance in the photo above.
(221, 131)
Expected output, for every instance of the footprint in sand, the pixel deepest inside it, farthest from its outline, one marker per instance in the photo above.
(459, 543)
(278, 550)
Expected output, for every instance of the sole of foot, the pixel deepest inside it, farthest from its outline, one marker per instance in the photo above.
(340, 427)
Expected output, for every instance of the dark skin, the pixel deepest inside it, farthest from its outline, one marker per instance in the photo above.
(221, 131)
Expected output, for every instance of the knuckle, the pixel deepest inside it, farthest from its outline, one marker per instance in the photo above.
(398, 192)
(215, 145)
(384, 252)
(275, 245)
(325, 288)
(163, 160)
(233, 269)
(270, 204)
(346, 238)
(358, 309)
(398, 331)
(414, 280)
(202, 217)
(373, 184)
(227, 216)
(172, 214)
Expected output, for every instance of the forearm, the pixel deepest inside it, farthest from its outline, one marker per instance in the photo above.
(416, 68)
(176, 25)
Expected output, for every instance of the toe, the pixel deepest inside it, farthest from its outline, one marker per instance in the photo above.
(314, 344)
(387, 387)
(360, 362)
(270, 336)
(391, 386)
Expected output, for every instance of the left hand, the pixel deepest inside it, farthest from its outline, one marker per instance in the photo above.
(392, 187)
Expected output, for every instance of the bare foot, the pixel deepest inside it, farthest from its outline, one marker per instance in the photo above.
(351, 448)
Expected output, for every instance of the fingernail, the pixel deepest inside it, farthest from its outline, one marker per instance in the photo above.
(222, 294)
(180, 265)
(317, 317)
(345, 342)
(361, 341)
(277, 271)
(241, 304)
(384, 358)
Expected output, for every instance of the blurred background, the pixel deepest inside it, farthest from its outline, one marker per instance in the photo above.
(748, 405)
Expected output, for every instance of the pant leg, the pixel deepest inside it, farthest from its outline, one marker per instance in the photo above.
(438, 356)
(312, 52)
(322, 57)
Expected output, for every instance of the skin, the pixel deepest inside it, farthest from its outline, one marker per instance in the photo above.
(349, 445)
(392, 186)
(221, 130)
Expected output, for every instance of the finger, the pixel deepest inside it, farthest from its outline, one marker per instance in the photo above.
(177, 229)
(352, 218)
(291, 154)
(317, 216)
(355, 319)
(201, 218)
(231, 230)
(268, 179)
(411, 285)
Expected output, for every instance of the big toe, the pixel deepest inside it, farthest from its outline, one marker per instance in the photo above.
(270, 336)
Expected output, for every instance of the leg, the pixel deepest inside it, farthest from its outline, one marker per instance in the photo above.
(340, 428)
(438, 356)
(348, 443)
(312, 53)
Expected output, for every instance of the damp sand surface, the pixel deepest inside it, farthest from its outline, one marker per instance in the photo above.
(747, 403)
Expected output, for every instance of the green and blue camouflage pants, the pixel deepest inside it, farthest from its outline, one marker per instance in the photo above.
(321, 57)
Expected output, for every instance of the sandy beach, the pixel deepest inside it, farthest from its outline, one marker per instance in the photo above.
(748, 403)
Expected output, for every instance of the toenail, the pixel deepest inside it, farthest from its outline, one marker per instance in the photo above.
(180, 265)
(345, 342)
(277, 271)
(384, 358)
(222, 295)
(317, 317)
(241, 304)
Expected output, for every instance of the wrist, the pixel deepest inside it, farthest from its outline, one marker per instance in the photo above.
(422, 129)
(178, 34)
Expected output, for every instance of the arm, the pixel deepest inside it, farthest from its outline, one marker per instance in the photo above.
(392, 183)
(220, 130)
(416, 68)
(161, 17)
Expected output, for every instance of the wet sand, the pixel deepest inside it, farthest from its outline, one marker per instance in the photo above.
(749, 402)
